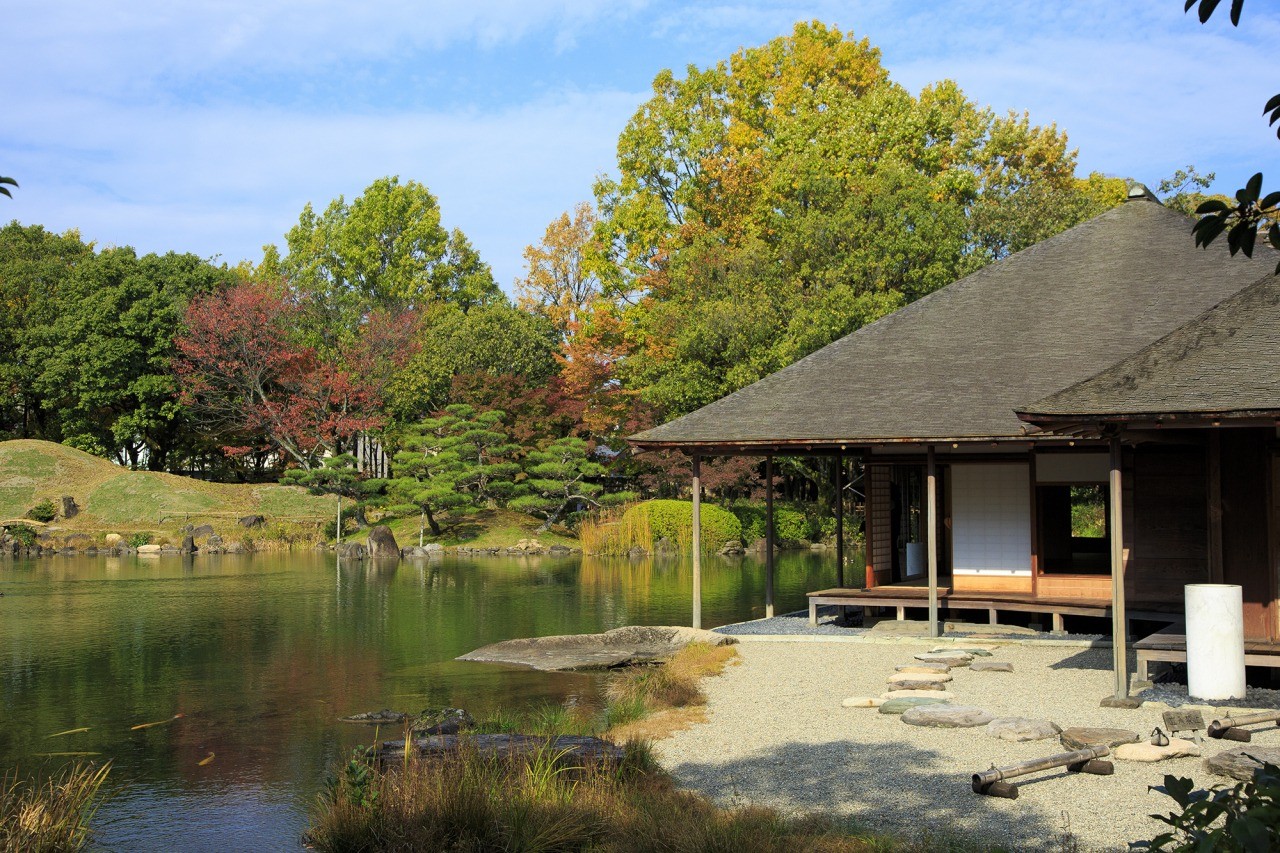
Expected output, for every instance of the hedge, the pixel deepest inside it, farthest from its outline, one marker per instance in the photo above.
(789, 524)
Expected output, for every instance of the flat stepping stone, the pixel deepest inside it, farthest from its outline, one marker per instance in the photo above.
(922, 667)
(906, 703)
(947, 716)
(862, 702)
(972, 651)
(1148, 752)
(908, 694)
(1079, 737)
(1242, 762)
(916, 685)
(934, 677)
(949, 658)
(991, 666)
(1021, 729)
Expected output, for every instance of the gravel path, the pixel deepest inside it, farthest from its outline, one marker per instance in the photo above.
(777, 735)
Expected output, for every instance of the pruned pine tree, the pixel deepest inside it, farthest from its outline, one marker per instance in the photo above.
(563, 478)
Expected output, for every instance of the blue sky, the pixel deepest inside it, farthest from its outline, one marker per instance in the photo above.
(206, 127)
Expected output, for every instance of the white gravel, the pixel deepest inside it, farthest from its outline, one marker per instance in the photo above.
(777, 735)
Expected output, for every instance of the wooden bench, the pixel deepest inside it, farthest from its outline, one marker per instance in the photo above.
(1169, 645)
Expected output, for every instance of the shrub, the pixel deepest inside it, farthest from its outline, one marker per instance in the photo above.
(138, 539)
(44, 512)
(673, 520)
(790, 524)
(24, 534)
(1244, 817)
(331, 527)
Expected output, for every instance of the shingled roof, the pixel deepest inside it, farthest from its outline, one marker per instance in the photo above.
(955, 364)
(1224, 363)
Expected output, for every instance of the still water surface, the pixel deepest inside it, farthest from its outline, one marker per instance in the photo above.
(262, 654)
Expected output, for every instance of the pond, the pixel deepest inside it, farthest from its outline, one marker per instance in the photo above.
(262, 654)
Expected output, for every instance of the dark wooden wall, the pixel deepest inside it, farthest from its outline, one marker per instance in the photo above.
(1166, 520)
(1248, 511)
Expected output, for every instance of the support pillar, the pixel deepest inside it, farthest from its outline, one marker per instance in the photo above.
(768, 537)
(697, 541)
(931, 534)
(1119, 626)
(840, 518)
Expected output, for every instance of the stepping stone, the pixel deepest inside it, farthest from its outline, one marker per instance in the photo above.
(898, 706)
(1242, 762)
(949, 658)
(947, 716)
(991, 666)
(916, 685)
(862, 702)
(1177, 748)
(935, 677)
(1080, 737)
(922, 667)
(972, 651)
(1020, 729)
(908, 694)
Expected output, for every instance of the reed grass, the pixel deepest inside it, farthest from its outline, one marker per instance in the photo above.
(613, 531)
(53, 815)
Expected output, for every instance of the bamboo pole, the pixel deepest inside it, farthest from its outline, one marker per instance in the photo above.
(840, 518)
(931, 524)
(768, 537)
(697, 541)
(1119, 638)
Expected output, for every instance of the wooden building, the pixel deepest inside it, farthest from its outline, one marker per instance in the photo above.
(990, 411)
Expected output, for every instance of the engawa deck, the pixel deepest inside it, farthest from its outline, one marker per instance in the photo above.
(914, 595)
(1169, 645)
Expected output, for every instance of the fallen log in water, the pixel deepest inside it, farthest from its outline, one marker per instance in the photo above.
(563, 748)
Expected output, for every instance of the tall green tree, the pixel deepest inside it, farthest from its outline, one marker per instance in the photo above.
(35, 266)
(496, 338)
(471, 453)
(777, 200)
(385, 249)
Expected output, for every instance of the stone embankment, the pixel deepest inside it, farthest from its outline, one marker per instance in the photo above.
(22, 539)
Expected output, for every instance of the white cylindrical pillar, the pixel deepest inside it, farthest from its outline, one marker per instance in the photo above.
(1215, 641)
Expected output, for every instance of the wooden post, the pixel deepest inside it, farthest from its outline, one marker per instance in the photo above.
(1119, 638)
(931, 529)
(697, 541)
(840, 518)
(768, 537)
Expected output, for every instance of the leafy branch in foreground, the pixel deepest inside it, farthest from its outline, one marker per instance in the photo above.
(1252, 211)
(7, 181)
(1244, 817)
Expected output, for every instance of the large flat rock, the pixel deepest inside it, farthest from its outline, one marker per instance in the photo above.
(1080, 737)
(1243, 761)
(618, 647)
(946, 716)
(562, 748)
(1020, 729)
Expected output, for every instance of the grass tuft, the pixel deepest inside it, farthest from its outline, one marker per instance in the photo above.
(472, 801)
(53, 815)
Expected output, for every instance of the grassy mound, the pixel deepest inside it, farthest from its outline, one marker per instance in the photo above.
(115, 498)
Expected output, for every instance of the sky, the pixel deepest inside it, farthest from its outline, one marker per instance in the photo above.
(205, 127)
